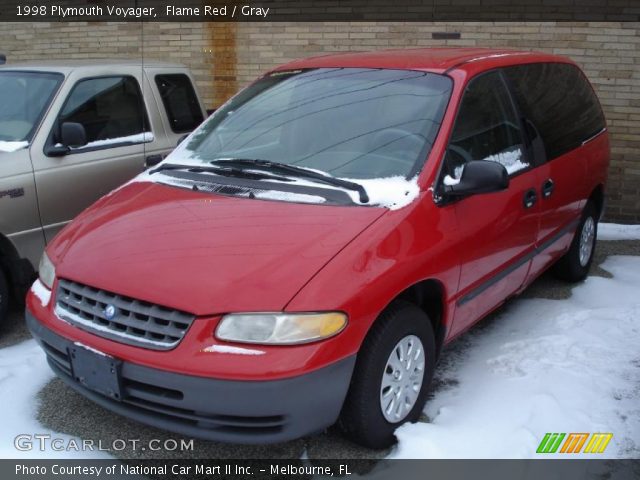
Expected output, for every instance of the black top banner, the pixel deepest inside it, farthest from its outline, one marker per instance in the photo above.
(319, 10)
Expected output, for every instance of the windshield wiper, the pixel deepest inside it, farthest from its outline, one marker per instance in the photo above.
(218, 170)
(294, 171)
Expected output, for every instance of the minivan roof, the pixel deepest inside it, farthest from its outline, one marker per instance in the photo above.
(65, 66)
(437, 60)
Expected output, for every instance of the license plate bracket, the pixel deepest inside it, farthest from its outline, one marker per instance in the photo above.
(96, 371)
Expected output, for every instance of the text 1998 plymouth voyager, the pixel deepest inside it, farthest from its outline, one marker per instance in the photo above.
(303, 256)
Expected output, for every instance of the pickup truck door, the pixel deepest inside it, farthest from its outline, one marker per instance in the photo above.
(19, 219)
(120, 128)
(497, 231)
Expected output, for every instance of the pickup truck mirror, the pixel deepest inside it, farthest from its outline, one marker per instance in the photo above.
(480, 176)
(72, 135)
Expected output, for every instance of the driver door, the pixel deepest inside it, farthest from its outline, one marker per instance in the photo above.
(497, 231)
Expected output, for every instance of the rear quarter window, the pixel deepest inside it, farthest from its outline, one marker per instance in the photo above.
(180, 102)
(559, 101)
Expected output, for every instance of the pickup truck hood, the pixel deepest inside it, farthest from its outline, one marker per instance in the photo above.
(200, 252)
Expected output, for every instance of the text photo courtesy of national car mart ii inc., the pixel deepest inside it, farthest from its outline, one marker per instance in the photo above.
(227, 469)
(173, 11)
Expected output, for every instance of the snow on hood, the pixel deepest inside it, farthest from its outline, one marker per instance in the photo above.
(390, 192)
(8, 147)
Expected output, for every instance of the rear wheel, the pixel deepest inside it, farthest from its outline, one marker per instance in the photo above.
(4, 297)
(393, 371)
(574, 265)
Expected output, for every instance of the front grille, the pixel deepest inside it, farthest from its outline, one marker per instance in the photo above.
(133, 322)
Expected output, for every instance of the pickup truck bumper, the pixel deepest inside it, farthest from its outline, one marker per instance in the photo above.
(249, 412)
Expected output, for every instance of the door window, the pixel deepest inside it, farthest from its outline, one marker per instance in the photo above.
(180, 102)
(111, 110)
(486, 128)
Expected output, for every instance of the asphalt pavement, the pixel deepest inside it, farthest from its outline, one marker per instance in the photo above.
(62, 410)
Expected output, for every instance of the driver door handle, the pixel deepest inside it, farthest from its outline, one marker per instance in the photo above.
(530, 198)
(547, 188)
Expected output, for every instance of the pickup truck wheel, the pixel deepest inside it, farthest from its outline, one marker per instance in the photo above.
(391, 378)
(4, 297)
(574, 265)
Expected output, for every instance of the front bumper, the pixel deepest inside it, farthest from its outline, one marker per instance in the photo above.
(214, 409)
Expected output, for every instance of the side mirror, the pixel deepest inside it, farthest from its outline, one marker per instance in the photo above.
(72, 135)
(3, 59)
(480, 176)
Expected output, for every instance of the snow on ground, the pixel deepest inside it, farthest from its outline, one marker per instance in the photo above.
(23, 373)
(541, 366)
(614, 231)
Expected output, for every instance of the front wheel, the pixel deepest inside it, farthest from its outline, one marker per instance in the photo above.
(574, 265)
(392, 375)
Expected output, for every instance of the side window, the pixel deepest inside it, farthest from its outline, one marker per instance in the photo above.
(180, 102)
(486, 128)
(559, 101)
(111, 110)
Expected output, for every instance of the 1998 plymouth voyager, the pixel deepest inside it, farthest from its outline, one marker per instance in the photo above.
(302, 257)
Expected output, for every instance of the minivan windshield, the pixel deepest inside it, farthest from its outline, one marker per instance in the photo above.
(24, 97)
(358, 123)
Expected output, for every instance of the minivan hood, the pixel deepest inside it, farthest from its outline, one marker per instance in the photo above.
(200, 252)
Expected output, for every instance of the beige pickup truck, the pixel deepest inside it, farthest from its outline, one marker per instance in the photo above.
(71, 131)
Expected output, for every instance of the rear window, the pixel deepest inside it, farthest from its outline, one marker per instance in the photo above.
(180, 102)
(559, 101)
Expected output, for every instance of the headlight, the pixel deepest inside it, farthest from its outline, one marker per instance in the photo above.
(46, 271)
(280, 328)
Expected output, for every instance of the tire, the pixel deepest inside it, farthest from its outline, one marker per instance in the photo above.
(362, 419)
(4, 297)
(574, 265)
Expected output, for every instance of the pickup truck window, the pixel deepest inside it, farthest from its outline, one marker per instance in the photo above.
(180, 102)
(111, 109)
(24, 97)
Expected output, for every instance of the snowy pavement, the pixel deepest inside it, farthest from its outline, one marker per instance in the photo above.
(537, 366)
(541, 366)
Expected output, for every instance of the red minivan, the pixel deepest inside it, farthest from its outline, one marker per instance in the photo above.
(302, 257)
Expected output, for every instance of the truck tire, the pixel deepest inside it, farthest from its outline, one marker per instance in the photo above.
(574, 265)
(4, 297)
(392, 375)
